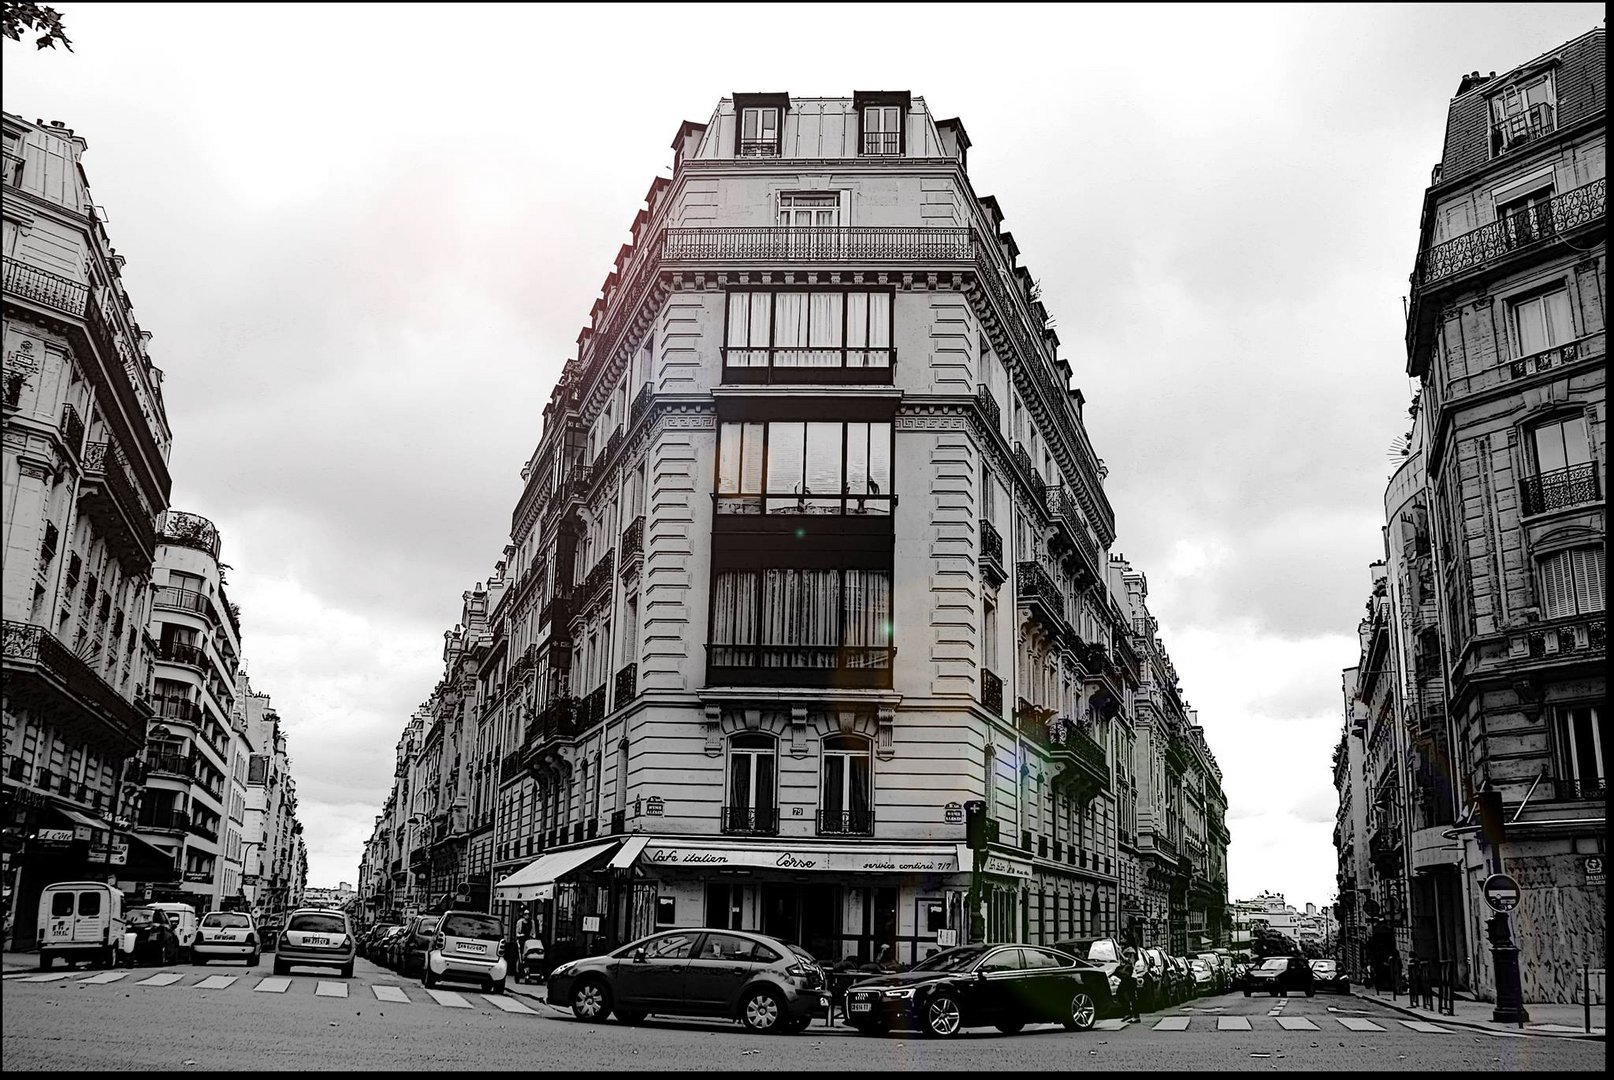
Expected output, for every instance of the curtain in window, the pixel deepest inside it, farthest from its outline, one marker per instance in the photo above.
(748, 329)
(751, 779)
(825, 322)
(734, 618)
(868, 329)
(799, 611)
(867, 629)
(789, 327)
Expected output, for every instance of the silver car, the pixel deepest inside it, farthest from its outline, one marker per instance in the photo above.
(319, 937)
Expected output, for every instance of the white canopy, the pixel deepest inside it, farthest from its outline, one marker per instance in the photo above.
(536, 880)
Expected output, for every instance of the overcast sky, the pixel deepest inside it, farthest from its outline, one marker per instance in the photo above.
(365, 239)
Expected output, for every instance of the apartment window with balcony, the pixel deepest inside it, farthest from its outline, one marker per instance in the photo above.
(804, 209)
(752, 801)
(1580, 752)
(1522, 112)
(1542, 321)
(1526, 219)
(798, 335)
(801, 619)
(1561, 470)
(1571, 582)
(804, 467)
(882, 130)
(759, 132)
(845, 783)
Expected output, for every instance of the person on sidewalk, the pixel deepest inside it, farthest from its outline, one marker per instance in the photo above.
(1128, 994)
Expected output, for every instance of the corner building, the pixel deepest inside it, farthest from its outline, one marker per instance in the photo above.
(811, 552)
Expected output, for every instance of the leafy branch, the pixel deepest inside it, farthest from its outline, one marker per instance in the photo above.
(20, 17)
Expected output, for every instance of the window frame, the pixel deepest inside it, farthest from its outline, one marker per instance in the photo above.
(865, 100)
(754, 816)
(1573, 781)
(781, 208)
(728, 664)
(843, 820)
(1563, 487)
(770, 370)
(1580, 601)
(1500, 141)
(763, 502)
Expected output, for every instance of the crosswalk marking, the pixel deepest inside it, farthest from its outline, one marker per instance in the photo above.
(1171, 1023)
(106, 977)
(216, 982)
(449, 998)
(273, 986)
(1296, 1023)
(1356, 1023)
(1232, 1023)
(1426, 1027)
(390, 993)
(50, 976)
(330, 989)
(499, 1001)
(166, 978)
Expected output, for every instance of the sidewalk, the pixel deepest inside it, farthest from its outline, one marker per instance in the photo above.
(1559, 1021)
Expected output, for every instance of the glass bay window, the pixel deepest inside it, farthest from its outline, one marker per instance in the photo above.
(804, 467)
(800, 335)
(801, 619)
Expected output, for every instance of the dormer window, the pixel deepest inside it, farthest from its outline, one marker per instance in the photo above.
(880, 116)
(760, 122)
(1523, 112)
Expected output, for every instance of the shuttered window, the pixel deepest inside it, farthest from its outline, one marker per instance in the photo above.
(1572, 582)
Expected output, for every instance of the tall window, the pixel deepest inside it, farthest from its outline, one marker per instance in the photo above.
(793, 329)
(1541, 322)
(882, 129)
(759, 132)
(1572, 582)
(804, 467)
(752, 803)
(799, 209)
(778, 618)
(844, 791)
(1527, 218)
(1522, 112)
(1564, 472)
(1580, 753)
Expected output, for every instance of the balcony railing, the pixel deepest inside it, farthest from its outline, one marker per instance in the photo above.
(627, 684)
(633, 539)
(1068, 516)
(72, 429)
(180, 710)
(1029, 473)
(190, 530)
(172, 764)
(1036, 589)
(759, 147)
(804, 502)
(858, 244)
(44, 287)
(845, 666)
(1569, 486)
(1588, 788)
(37, 665)
(846, 822)
(178, 653)
(105, 472)
(991, 692)
(1515, 232)
(751, 820)
(1556, 357)
(988, 405)
(862, 366)
(641, 404)
(882, 143)
(184, 600)
(597, 580)
(991, 554)
(171, 820)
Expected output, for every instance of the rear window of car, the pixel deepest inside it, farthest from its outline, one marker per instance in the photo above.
(140, 916)
(225, 919)
(1103, 952)
(478, 927)
(317, 924)
(1275, 963)
(425, 925)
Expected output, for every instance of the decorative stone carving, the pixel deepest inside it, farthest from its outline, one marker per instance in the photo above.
(714, 731)
(798, 731)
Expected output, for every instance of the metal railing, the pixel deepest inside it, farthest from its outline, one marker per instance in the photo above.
(988, 405)
(1556, 357)
(991, 545)
(627, 684)
(751, 820)
(105, 461)
(1515, 232)
(882, 143)
(1433, 984)
(633, 539)
(1587, 788)
(28, 646)
(991, 692)
(802, 364)
(72, 429)
(846, 822)
(826, 244)
(43, 287)
(179, 653)
(1568, 486)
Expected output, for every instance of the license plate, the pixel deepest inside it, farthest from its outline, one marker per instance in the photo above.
(861, 1006)
(313, 939)
(472, 947)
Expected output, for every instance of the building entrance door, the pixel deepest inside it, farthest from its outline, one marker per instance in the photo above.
(781, 912)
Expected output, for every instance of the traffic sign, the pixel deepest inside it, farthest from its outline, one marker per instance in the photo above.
(1501, 892)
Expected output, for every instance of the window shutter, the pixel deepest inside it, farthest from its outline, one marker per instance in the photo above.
(1555, 596)
(1586, 569)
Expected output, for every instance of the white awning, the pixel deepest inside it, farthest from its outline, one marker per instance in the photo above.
(796, 856)
(630, 851)
(536, 880)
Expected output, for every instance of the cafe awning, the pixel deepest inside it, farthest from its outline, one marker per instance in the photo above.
(793, 856)
(536, 880)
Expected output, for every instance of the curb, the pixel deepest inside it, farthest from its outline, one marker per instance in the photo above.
(1473, 1025)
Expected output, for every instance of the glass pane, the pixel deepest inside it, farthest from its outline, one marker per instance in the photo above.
(1577, 450)
(728, 457)
(859, 787)
(857, 319)
(751, 458)
(880, 460)
(1549, 443)
(770, 123)
(61, 904)
(786, 457)
(823, 468)
(880, 320)
(789, 322)
(89, 903)
(857, 458)
(761, 306)
(764, 788)
(1560, 327)
(740, 779)
(1532, 327)
(824, 326)
(831, 799)
(750, 121)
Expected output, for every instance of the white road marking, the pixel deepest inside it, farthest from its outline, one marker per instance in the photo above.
(449, 998)
(1426, 1027)
(1296, 1023)
(1171, 1023)
(107, 977)
(330, 989)
(1232, 1023)
(499, 1001)
(50, 976)
(1356, 1023)
(216, 982)
(273, 986)
(167, 978)
(390, 993)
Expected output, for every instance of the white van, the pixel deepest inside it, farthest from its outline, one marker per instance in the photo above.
(80, 920)
(184, 921)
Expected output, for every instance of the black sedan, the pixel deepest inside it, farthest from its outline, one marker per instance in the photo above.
(1004, 986)
(1329, 978)
(1281, 974)
(156, 942)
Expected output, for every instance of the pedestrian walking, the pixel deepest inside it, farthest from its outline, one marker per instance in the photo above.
(1128, 975)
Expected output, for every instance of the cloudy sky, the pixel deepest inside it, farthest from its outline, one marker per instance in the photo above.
(366, 238)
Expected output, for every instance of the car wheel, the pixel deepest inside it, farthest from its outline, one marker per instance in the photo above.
(347, 970)
(252, 961)
(427, 979)
(1010, 1027)
(280, 969)
(495, 986)
(1083, 1013)
(591, 1001)
(763, 1011)
(630, 1017)
(943, 1016)
(1311, 991)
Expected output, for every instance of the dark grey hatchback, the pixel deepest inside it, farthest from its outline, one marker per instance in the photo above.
(766, 984)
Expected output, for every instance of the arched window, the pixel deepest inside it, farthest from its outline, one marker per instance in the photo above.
(846, 787)
(752, 802)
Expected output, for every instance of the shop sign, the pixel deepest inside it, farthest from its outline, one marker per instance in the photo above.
(947, 938)
(113, 854)
(654, 807)
(591, 924)
(82, 832)
(953, 813)
(785, 859)
(249, 879)
(198, 877)
(997, 864)
(54, 837)
(1593, 865)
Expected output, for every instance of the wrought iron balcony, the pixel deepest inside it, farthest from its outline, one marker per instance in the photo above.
(1585, 788)
(882, 143)
(1028, 473)
(179, 653)
(184, 600)
(642, 401)
(759, 147)
(42, 671)
(1032, 721)
(171, 764)
(43, 287)
(109, 496)
(598, 579)
(751, 820)
(1072, 530)
(592, 710)
(627, 684)
(846, 823)
(633, 539)
(866, 244)
(991, 555)
(72, 429)
(991, 415)
(189, 530)
(1514, 233)
(1069, 741)
(178, 710)
(991, 692)
(1553, 490)
(1035, 588)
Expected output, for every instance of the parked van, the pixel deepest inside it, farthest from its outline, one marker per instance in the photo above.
(184, 920)
(80, 920)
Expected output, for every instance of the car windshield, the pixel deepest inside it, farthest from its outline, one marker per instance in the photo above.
(1323, 965)
(462, 924)
(317, 924)
(1275, 963)
(226, 919)
(140, 916)
(1103, 952)
(951, 960)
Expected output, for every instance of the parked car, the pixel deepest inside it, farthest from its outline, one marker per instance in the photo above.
(1154, 990)
(1204, 976)
(184, 920)
(269, 928)
(320, 937)
(411, 951)
(80, 920)
(226, 935)
(1218, 969)
(1328, 977)
(765, 983)
(1182, 978)
(396, 944)
(386, 950)
(1005, 986)
(1281, 974)
(154, 939)
(467, 945)
(370, 936)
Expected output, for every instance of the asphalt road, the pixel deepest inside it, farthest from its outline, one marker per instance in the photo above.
(181, 1026)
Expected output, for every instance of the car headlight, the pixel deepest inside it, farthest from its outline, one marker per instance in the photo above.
(561, 969)
(904, 992)
(1115, 984)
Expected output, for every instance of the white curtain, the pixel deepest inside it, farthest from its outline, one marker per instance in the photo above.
(868, 329)
(799, 611)
(734, 618)
(867, 630)
(748, 329)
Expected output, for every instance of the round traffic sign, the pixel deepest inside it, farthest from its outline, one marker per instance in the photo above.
(1501, 892)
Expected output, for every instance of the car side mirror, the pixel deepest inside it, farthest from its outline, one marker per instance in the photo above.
(639, 955)
(980, 976)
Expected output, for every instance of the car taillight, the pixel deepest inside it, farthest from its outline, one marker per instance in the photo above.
(796, 971)
(500, 950)
(252, 939)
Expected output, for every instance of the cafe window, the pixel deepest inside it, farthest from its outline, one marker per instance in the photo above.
(804, 467)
